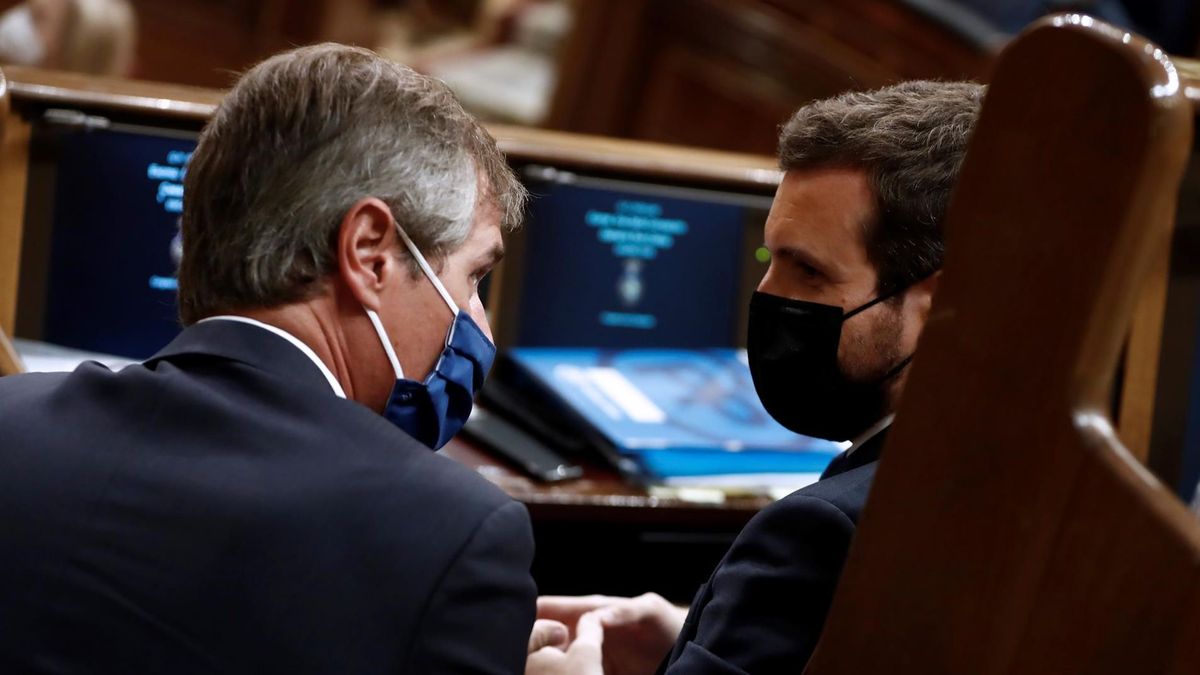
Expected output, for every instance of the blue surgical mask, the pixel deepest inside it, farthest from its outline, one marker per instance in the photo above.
(435, 410)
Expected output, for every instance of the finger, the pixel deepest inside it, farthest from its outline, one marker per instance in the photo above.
(568, 609)
(576, 605)
(651, 599)
(545, 661)
(589, 637)
(631, 611)
(547, 633)
(623, 614)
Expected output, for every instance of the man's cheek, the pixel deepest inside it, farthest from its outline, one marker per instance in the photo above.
(856, 354)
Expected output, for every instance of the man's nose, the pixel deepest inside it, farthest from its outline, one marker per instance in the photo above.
(769, 283)
(479, 315)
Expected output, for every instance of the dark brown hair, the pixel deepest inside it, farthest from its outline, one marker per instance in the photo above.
(911, 139)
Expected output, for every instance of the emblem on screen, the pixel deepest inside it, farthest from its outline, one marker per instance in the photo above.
(630, 285)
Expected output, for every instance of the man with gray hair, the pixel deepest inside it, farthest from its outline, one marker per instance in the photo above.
(856, 248)
(263, 494)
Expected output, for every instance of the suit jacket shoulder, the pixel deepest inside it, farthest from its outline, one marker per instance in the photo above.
(235, 515)
(763, 609)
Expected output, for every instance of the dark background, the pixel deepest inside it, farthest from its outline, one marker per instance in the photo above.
(110, 235)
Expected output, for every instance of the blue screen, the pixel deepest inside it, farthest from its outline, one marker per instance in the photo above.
(625, 269)
(115, 243)
(701, 400)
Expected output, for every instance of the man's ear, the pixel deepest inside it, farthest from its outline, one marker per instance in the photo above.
(366, 245)
(921, 294)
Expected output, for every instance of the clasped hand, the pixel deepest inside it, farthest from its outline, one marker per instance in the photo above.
(600, 634)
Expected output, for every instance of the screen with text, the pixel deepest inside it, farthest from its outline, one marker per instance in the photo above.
(613, 268)
(116, 242)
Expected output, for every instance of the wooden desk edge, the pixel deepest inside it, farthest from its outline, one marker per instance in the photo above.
(600, 495)
(49, 88)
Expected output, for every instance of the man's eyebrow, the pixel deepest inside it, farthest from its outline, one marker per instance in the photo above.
(798, 254)
(494, 255)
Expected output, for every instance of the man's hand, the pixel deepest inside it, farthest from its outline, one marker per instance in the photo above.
(639, 631)
(567, 610)
(548, 633)
(583, 657)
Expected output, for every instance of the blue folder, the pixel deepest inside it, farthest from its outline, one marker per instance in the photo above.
(672, 412)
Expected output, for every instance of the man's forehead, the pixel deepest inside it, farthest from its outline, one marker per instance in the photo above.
(486, 236)
(489, 211)
(827, 201)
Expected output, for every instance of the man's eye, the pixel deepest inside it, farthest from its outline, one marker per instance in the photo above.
(807, 270)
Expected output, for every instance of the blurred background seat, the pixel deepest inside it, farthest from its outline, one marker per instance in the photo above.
(711, 73)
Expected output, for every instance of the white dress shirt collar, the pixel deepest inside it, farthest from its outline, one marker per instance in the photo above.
(870, 433)
(333, 383)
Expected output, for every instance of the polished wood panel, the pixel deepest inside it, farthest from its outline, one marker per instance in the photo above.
(49, 88)
(10, 361)
(208, 42)
(42, 88)
(1142, 357)
(636, 158)
(1142, 373)
(14, 160)
(1008, 529)
(601, 495)
(14, 153)
(725, 74)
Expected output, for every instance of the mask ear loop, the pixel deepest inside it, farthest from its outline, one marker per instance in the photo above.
(898, 367)
(387, 344)
(888, 296)
(424, 265)
(862, 308)
(437, 284)
(907, 360)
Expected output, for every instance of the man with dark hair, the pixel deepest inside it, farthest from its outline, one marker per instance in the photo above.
(263, 495)
(855, 241)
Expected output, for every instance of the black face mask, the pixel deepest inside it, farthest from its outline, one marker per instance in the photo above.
(793, 352)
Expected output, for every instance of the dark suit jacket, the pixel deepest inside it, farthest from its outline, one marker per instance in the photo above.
(763, 608)
(219, 510)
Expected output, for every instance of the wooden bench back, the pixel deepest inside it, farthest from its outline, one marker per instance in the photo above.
(1008, 530)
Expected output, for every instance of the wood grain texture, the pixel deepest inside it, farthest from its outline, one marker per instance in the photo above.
(1141, 375)
(725, 74)
(10, 246)
(1009, 530)
(33, 87)
(10, 361)
(1142, 357)
(55, 88)
(602, 495)
(14, 161)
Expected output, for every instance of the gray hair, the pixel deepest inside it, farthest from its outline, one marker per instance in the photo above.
(911, 139)
(300, 139)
